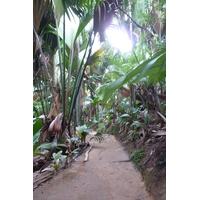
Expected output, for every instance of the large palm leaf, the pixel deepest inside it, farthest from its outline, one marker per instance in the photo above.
(153, 69)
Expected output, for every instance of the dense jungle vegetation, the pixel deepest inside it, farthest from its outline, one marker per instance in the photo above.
(82, 82)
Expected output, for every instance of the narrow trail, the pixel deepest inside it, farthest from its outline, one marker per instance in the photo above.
(98, 179)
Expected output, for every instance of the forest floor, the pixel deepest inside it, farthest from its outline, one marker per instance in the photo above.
(102, 177)
(153, 167)
(149, 157)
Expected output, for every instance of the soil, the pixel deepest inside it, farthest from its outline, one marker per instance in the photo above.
(152, 165)
(102, 177)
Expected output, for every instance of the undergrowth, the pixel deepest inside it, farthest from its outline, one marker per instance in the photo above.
(137, 156)
(101, 128)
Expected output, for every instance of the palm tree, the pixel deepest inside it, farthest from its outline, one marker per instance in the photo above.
(43, 59)
(61, 55)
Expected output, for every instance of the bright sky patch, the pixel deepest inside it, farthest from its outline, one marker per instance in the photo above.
(119, 39)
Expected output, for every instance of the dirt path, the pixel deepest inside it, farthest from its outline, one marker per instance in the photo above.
(98, 179)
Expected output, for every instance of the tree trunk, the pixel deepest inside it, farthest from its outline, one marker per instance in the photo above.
(77, 107)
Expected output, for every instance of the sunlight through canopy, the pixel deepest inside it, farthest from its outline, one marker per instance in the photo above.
(118, 38)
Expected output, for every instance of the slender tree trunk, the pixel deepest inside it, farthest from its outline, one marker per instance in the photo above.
(130, 24)
(131, 94)
(114, 110)
(77, 107)
(134, 96)
(90, 107)
(63, 73)
(118, 97)
(81, 78)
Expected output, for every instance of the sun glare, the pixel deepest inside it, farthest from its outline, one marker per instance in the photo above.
(119, 39)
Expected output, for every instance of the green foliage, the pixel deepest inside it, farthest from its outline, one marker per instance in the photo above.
(163, 106)
(79, 7)
(154, 69)
(59, 156)
(93, 101)
(130, 133)
(75, 139)
(146, 119)
(134, 112)
(58, 8)
(37, 124)
(36, 138)
(131, 118)
(83, 23)
(125, 116)
(137, 124)
(58, 159)
(74, 30)
(35, 153)
(56, 165)
(48, 145)
(37, 108)
(101, 128)
(120, 69)
(108, 118)
(123, 106)
(137, 156)
(82, 132)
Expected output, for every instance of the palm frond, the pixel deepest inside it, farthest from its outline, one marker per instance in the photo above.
(153, 69)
